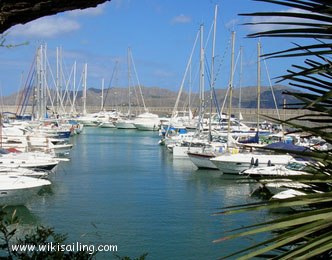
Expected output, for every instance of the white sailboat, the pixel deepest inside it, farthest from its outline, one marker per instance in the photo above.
(127, 122)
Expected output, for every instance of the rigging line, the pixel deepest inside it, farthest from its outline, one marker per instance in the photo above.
(222, 59)
(68, 100)
(54, 82)
(229, 83)
(273, 95)
(27, 94)
(214, 94)
(139, 84)
(185, 75)
(31, 72)
(110, 82)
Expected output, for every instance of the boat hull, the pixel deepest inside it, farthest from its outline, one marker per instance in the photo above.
(234, 164)
(182, 151)
(202, 161)
(147, 126)
(19, 190)
(124, 125)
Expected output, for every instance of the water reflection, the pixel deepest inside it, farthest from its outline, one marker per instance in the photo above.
(121, 187)
(23, 214)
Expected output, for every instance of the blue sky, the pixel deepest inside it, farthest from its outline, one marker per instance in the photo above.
(160, 33)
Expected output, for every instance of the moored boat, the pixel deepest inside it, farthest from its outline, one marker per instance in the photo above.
(18, 190)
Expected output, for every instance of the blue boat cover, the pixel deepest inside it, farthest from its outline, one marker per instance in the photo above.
(288, 147)
(251, 140)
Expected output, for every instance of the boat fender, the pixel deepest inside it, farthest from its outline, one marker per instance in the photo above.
(256, 162)
(252, 162)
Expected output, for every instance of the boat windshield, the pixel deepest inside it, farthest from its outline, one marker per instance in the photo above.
(295, 166)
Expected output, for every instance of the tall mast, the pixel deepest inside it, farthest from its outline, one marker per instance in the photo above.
(212, 68)
(41, 83)
(102, 93)
(57, 80)
(240, 84)
(84, 88)
(129, 82)
(74, 90)
(258, 82)
(231, 86)
(201, 81)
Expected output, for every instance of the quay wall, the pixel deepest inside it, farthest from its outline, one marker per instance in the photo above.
(248, 114)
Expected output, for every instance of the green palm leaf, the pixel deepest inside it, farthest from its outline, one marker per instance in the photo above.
(305, 234)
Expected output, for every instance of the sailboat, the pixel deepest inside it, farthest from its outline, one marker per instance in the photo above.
(127, 122)
(202, 158)
(145, 121)
(235, 163)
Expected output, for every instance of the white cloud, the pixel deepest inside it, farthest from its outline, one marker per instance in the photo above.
(271, 19)
(181, 19)
(47, 27)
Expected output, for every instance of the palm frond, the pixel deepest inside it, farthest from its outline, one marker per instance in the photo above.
(305, 234)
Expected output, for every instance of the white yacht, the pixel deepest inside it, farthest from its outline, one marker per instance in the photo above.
(18, 190)
(28, 160)
(23, 172)
(125, 124)
(293, 168)
(236, 163)
(147, 121)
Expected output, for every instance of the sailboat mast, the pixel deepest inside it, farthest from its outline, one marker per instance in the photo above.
(84, 88)
(231, 85)
(201, 80)
(129, 81)
(212, 68)
(240, 85)
(102, 93)
(74, 90)
(258, 82)
(57, 81)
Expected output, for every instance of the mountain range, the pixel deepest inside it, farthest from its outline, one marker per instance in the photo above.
(162, 97)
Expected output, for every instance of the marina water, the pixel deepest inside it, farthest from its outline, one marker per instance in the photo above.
(122, 188)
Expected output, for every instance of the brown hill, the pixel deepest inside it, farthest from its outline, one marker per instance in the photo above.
(161, 97)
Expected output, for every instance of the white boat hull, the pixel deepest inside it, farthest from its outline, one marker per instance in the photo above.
(19, 190)
(202, 161)
(236, 163)
(124, 125)
(106, 125)
(182, 151)
(147, 126)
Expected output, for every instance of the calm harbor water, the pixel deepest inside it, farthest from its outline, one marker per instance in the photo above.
(122, 188)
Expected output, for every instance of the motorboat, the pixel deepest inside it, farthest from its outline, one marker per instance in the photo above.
(293, 168)
(236, 163)
(125, 124)
(18, 190)
(32, 160)
(23, 172)
(147, 122)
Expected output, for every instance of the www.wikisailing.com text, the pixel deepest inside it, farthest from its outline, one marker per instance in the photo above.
(57, 247)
